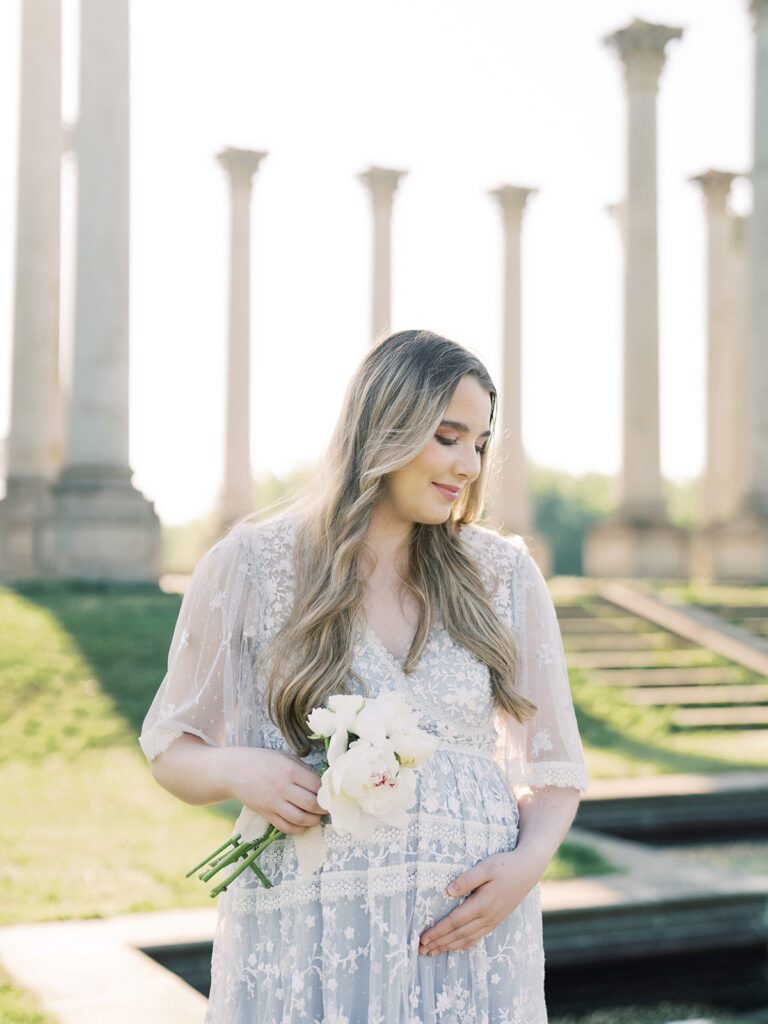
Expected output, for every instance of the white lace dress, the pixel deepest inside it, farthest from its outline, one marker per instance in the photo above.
(341, 946)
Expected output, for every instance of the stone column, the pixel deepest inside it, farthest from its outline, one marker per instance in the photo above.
(235, 498)
(748, 537)
(103, 528)
(720, 496)
(382, 182)
(510, 501)
(33, 447)
(639, 540)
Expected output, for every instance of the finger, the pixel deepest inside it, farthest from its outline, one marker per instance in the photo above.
(284, 825)
(459, 936)
(310, 780)
(457, 918)
(296, 816)
(305, 800)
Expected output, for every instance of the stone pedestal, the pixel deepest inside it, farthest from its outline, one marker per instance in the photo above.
(637, 549)
(639, 539)
(102, 527)
(382, 183)
(34, 449)
(732, 552)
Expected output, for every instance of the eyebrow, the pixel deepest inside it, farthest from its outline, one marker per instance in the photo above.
(462, 427)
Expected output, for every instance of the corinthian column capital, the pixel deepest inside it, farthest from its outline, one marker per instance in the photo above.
(716, 186)
(240, 164)
(512, 200)
(641, 47)
(382, 182)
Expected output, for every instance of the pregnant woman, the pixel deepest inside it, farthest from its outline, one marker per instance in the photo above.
(379, 578)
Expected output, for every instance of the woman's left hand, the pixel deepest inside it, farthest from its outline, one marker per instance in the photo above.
(497, 885)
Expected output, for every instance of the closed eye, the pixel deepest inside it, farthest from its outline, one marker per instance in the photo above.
(447, 440)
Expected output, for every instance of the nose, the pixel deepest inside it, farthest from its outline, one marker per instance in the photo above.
(467, 463)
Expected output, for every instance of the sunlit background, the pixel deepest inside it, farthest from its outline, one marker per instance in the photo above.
(464, 97)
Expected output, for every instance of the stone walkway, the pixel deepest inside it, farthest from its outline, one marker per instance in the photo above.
(93, 971)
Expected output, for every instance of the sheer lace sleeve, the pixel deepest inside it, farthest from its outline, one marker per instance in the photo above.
(208, 688)
(546, 750)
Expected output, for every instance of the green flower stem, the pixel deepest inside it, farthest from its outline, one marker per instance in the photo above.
(232, 840)
(234, 855)
(221, 887)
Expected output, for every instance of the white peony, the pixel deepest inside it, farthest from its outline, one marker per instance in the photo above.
(336, 721)
(412, 746)
(364, 786)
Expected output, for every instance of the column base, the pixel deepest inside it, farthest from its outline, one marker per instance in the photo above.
(101, 529)
(655, 549)
(732, 552)
(26, 506)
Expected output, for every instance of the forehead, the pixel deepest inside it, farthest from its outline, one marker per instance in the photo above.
(470, 402)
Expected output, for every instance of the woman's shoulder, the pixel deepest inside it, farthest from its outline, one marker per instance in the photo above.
(267, 539)
(493, 546)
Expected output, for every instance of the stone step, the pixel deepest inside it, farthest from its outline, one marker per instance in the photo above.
(650, 677)
(662, 808)
(721, 718)
(619, 624)
(739, 611)
(638, 659)
(624, 642)
(574, 611)
(700, 695)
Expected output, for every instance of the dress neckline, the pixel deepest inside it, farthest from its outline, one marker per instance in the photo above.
(381, 647)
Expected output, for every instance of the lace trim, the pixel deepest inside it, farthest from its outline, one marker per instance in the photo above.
(160, 738)
(421, 826)
(550, 773)
(332, 886)
(477, 838)
(464, 748)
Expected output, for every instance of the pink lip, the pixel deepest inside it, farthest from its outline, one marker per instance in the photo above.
(449, 492)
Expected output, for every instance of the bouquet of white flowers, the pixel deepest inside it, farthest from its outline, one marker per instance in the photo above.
(373, 746)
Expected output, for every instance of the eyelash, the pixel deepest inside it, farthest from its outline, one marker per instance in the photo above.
(446, 440)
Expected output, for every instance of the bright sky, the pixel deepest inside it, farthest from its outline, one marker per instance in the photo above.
(465, 97)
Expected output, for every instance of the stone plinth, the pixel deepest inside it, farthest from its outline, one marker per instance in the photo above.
(636, 549)
(102, 529)
(732, 552)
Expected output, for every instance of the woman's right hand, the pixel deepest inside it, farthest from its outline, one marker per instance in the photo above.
(276, 784)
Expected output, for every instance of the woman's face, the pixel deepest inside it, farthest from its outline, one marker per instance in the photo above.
(451, 459)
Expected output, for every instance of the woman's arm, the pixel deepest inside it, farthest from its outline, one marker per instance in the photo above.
(275, 783)
(546, 815)
(194, 771)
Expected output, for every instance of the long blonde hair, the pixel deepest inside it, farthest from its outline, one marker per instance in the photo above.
(392, 407)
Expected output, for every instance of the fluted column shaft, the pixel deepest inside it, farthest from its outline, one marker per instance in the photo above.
(33, 438)
(382, 183)
(756, 498)
(641, 498)
(98, 408)
(236, 493)
(720, 486)
(512, 503)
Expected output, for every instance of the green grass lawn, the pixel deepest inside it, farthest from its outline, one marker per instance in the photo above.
(622, 739)
(87, 830)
